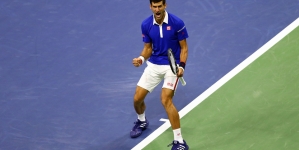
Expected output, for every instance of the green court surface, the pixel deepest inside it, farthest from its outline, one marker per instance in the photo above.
(258, 109)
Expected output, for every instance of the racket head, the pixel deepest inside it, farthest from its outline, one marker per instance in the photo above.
(172, 63)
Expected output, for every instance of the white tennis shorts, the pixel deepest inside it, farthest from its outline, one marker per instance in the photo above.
(153, 74)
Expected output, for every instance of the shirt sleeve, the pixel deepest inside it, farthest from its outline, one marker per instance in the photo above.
(145, 36)
(182, 31)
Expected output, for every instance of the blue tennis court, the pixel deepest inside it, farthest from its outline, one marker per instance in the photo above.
(66, 78)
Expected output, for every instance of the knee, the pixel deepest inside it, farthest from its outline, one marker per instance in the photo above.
(139, 95)
(166, 102)
(137, 99)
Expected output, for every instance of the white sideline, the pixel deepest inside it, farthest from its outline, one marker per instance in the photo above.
(219, 83)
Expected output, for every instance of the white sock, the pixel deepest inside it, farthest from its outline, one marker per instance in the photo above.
(141, 117)
(178, 135)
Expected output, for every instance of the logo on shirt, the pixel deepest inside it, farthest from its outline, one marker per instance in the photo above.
(168, 28)
(143, 35)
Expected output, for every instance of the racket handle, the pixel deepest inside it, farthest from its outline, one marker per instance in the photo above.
(182, 81)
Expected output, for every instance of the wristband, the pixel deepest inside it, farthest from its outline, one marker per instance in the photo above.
(142, 59)
(182, 65)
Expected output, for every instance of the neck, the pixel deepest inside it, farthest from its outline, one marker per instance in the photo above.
(161, 20)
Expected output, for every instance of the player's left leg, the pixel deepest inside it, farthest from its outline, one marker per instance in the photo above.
(173, 115)
(168, 90)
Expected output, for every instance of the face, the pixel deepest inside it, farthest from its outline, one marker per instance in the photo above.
(158, 10)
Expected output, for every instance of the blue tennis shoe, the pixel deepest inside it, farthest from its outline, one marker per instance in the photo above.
(176, 145)
(138, 128)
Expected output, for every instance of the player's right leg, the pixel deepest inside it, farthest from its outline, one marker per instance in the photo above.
(139, 97)
(141, 123)
(148, 81)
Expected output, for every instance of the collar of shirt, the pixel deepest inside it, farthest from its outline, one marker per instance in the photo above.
(165, 19)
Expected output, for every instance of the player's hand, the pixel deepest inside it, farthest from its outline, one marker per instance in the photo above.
(137, 62)
(180, 72)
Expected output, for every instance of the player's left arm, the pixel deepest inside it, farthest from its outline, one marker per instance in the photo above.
(183, 57)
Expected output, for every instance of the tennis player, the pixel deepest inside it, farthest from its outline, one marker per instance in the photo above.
(161, 31)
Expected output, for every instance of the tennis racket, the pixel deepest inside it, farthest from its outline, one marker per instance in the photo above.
(174, 67)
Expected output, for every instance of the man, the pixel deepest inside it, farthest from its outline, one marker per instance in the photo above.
(160, 31)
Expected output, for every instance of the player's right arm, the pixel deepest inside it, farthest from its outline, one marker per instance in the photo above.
(145, 54)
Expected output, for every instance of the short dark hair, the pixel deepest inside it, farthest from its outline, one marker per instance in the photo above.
(157, 1)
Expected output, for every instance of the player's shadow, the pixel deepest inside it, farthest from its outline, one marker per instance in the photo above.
(124, 142)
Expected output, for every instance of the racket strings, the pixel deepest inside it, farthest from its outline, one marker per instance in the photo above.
(172, 62)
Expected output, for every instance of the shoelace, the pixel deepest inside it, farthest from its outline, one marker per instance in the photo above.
(137, 124)
(174, 142)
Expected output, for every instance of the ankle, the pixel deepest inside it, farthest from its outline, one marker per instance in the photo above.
(178, 135)
(141, 117)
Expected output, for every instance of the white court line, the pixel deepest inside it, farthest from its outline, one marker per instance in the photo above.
(219, 83)
(164, 120)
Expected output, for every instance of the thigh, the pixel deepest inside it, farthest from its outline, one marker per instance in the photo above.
(166, 98)
(140, 94)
